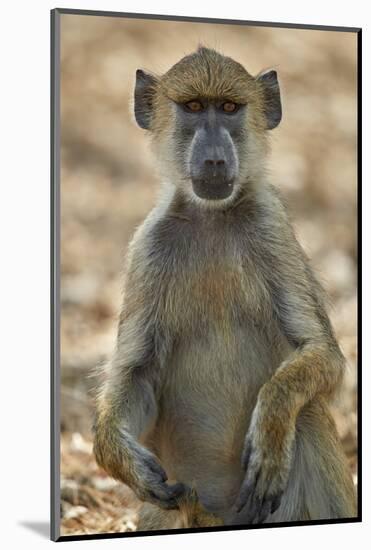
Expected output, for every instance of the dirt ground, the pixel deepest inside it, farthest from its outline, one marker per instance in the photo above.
(108, 185)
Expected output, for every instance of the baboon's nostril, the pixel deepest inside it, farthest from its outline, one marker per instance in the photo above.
(210, 162)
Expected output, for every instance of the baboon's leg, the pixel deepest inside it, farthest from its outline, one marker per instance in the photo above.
(153, 518)
(190, 514)
(320, 484)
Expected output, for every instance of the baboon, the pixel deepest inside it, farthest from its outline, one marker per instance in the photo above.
(214, 406)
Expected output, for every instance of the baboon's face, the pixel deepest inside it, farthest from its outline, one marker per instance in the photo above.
(207, 134)
(208, 117)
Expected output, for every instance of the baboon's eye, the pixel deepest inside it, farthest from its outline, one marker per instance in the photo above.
(229, 107)
(194, 106)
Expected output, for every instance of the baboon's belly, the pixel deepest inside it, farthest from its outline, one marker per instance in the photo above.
(211, 389)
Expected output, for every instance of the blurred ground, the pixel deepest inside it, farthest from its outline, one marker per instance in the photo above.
(108, 185)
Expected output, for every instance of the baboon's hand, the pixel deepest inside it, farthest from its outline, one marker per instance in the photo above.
(149, 481)
(128, 461)
(266, 459)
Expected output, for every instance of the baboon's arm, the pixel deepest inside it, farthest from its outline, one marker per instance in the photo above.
(127, 407)
(314, 367)
(128, 393)
(316, 364)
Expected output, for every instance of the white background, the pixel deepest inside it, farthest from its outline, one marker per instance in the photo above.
(24, 253)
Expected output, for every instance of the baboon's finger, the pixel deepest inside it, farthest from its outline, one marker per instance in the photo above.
(262, 511)
(156, 468)
(246, 455)
(167, 503)
(276, 502)
(247, 489)
(167, 496)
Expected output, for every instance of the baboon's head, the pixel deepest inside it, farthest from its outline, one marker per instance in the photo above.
(208, 118)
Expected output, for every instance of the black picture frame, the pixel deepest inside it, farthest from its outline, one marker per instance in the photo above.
(55, 267)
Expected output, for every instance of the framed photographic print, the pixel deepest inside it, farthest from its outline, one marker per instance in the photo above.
(205, 282)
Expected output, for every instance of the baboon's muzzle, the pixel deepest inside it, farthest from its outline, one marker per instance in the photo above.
(213, 185)
(213, 164)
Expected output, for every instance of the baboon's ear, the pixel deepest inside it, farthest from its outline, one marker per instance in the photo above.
(143, 98)
(272, 97)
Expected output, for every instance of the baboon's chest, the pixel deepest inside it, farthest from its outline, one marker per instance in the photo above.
(217, 293)
(206, 275)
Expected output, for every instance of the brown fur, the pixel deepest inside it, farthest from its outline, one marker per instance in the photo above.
(206, 74)
(224, 349)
